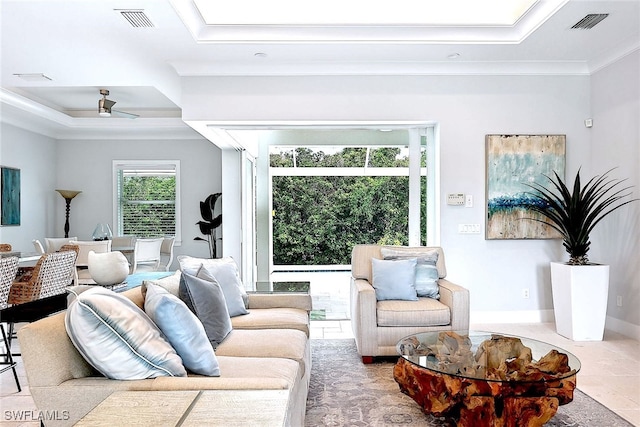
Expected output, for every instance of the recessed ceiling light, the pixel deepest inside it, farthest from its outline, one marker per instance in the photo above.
(33, 77)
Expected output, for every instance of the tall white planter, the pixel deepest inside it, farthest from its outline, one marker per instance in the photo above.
(580, 295)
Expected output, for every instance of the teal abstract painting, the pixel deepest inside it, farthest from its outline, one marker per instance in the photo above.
(512, 162)
(10, 196)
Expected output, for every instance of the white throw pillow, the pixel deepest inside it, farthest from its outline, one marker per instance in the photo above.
(225, 270)
(118, 339)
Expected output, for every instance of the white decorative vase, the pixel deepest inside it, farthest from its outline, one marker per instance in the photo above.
(108, 268)
(580, 294)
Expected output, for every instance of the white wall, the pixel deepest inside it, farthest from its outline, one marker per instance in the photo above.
(616, 143)
(86, 165)
(466, 109)
(34, 155)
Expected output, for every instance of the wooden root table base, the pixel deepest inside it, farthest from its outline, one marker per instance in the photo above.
(476, 403)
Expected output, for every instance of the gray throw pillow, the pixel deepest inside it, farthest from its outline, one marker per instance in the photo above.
(206, 300)
(394, 280)
(225, 270)
(232, 294)
(183, 330)
(118, 339)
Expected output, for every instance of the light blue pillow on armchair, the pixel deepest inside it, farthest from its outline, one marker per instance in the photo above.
(394, 280)
(183, 330)
(426, 270)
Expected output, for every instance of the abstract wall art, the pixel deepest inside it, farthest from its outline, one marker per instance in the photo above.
(512, 162)
(9, 196)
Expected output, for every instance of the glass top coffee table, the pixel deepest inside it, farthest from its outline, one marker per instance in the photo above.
(485, 379)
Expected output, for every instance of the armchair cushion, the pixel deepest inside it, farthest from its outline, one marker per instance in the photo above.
(394, 280)
(424, 312)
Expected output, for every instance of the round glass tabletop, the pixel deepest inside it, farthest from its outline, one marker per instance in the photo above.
(488, 356)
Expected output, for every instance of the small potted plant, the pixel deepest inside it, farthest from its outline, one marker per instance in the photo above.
(574, 214)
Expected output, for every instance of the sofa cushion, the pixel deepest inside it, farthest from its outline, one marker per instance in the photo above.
(225, 270)
(283, 343)
(182, 328)
(273, 318)
(426, 271)
(233, 295)
(206, 300)
(424, 312)
(118, 339)
(394, 280)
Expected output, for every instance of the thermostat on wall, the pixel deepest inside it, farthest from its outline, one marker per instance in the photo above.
(455, 199)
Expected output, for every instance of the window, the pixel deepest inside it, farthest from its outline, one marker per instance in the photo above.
(327, 199)
(146, 198)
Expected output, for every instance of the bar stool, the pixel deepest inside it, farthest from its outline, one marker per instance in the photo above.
(8, 271)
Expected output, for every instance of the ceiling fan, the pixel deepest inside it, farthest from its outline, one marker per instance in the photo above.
(104, 107)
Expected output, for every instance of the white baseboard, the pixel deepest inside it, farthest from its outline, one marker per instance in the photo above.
(524, 316)
(625, 328)
(543, 316)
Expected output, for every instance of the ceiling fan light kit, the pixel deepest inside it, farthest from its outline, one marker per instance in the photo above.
(104, 107)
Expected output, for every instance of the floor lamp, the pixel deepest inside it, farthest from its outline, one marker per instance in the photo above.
(68, 196)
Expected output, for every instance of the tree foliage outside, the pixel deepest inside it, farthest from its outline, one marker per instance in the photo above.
(318, 219)
(148, 205)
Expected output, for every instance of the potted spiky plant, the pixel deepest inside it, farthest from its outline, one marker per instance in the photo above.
(574, 213)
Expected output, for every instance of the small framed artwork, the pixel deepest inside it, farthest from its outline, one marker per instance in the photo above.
(512, 162)
(9, 196)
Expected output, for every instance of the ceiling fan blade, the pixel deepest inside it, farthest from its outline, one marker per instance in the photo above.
(124, 114)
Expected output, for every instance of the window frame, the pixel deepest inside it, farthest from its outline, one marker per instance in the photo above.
(118, 165)
(424, 138)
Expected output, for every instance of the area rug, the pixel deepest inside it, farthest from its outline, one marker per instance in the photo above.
(345, 392)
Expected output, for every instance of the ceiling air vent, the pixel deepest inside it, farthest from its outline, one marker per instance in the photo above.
(589, 21)
(136, 18)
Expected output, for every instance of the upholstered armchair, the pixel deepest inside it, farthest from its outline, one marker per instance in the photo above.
(378, 320)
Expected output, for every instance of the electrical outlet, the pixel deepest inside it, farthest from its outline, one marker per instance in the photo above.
(525, 293)
(619, 301)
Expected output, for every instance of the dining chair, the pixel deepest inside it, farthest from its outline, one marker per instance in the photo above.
(147, 254)
(8, 271)
(126, 245)
(37, 245)
(48, 278)
(166, 253)
(53, 244)
(83, 277)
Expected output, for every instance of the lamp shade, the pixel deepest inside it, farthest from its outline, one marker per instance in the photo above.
(68, 194)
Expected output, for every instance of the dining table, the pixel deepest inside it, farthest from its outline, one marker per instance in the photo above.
(22, 256)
